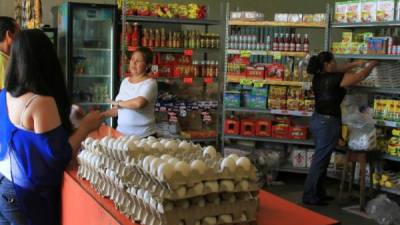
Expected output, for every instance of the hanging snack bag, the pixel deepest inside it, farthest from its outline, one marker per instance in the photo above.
(368, 11)
(385, 10)
(340, 12)
(353, 12)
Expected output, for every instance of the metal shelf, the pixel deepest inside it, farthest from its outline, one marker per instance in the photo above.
(92, 103)
(377, 89)
(271, 111)
(269, 139)
(212, 139)
(378, 57)
(391, 157)
(366, 25)
(272, 82)
(150, 19)
(387, 123)
(388, 190)
(94, 49)
(91, 76)
(275, 24)
(302, 170)
(265, 53)
(175, 50)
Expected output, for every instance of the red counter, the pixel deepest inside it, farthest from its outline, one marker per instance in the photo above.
(82, 205)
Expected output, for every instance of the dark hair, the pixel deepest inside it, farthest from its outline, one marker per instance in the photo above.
(316, 64)
(7, 24)
(34, 67)
(147, 55)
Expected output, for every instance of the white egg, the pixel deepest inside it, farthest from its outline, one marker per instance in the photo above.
(184, 146)
(132, 146)
(150, 142)
(165, 171)
(163, 141)
(210, 220)
(234, 157)
(157, 146)
(146, 162)
(181, 191)
(244, 162)
(212, 185)
(166, 157)
(210, 151)
(183, 168)
(140, 193)
(144, 140)
(154, 164)
(144, 146)
(151, 138)
(133, 138)
(228, 164)
(88, 142)
(171, 145)
(104, 141)
(94, 144)
(173, 161)
(198, 188)
(199, 166)
(225, 218)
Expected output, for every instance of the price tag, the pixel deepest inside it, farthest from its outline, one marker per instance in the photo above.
(306, 85)
(208, 80)
(246, 82)
(277, 55)
(188, 52)
(245, 54)
(258, 84)
(284, 112)
(188, 80)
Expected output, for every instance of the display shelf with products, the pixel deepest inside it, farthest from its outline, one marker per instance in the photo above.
(266, 53)
(374, 36)
(186, 65)
(277, 24)
(269, 139)
(272, 111)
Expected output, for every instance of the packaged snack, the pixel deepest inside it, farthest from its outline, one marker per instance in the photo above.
(368, 11)
(295, 18)
(308, 18)
(281, 17)
(347, 37)
(275, 72)
(340, 12)
(398, 11)
(319, 18)
(385, 10)
(353, 12)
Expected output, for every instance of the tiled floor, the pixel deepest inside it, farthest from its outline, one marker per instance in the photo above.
(293, 190)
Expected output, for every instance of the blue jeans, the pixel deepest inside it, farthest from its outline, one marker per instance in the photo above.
(325, 130)
(10, 211)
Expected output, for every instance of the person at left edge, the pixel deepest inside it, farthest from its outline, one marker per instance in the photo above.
(8, 29)
(37, 140)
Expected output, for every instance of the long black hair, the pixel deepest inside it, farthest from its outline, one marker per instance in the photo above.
(7, 24)
(34, 67)
(317, 62)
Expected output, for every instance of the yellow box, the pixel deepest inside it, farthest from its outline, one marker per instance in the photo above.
(347, 37)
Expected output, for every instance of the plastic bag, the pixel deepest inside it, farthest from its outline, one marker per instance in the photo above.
(384, 211)
(363, 138)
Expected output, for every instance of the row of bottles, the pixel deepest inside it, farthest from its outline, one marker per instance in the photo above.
(280, 42)
(162, 38)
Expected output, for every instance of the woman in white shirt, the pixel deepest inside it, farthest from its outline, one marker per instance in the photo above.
(134, 104)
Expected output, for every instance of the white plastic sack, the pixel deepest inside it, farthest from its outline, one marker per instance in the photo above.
(384, 211)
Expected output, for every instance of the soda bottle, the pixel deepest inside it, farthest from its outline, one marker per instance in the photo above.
(306, 45)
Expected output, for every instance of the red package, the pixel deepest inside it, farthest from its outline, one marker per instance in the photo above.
(232, 126)
(298, 132)
(275, 72)
(247, 127)
(263, 128)
(280, 131)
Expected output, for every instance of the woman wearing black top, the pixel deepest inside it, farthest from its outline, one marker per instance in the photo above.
(328, 86)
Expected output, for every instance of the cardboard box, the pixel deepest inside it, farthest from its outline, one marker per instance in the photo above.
(255, 101)
(347, 37)
(368, 11)
(263, 128)
(280, 131)
(298, 132)
(340, 12)
(255, 73)
(299, 158)
(385, 10)
(247, 127)
(353, 12)
(232, 126)
(232, 99)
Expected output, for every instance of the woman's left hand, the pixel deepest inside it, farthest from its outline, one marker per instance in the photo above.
(112, 102)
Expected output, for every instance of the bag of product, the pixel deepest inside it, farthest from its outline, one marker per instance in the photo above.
(383, 210)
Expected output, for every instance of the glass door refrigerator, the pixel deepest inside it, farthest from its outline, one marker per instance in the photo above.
(87, 48)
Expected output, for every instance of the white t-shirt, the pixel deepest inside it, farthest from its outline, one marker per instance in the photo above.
(138, 122)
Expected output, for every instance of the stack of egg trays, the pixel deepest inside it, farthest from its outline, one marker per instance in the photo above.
(153, 202)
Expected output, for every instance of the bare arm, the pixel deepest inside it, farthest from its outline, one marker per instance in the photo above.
(113, 112)
(45, 118)
(353, 78)
(135, 103)
(349, 66)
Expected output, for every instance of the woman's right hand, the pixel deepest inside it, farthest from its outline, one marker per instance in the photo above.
(372, 63)
(92, 121)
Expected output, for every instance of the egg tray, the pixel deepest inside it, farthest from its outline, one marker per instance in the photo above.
(141, 179)
(127, 202)
(241, 211)
(124, 199)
